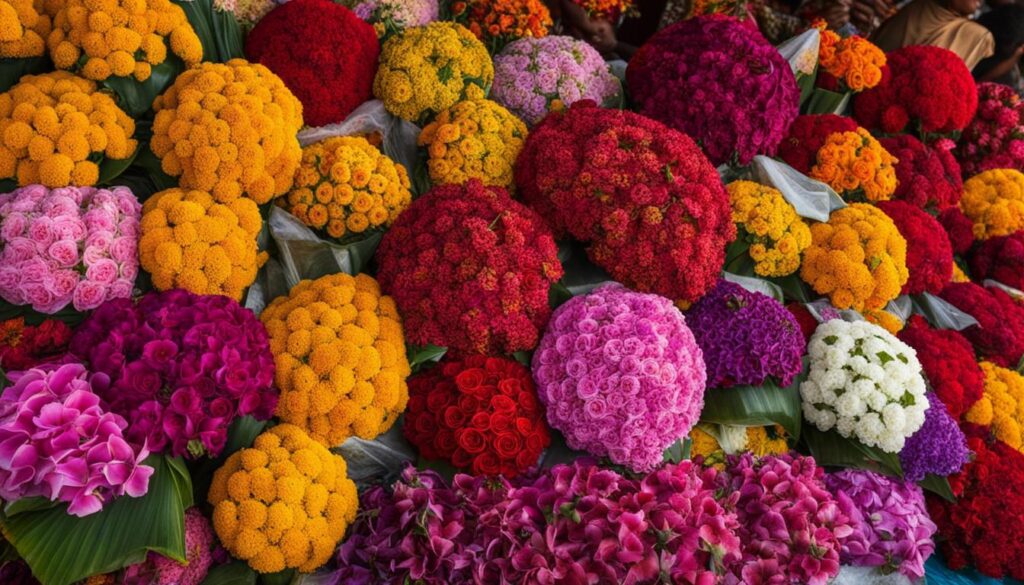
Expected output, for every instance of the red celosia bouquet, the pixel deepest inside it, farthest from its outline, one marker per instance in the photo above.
(23, 347)
(947, 360)
(929, 253)
(1001, 259)
(325, 54)
(995, 137)
(929, 176)
(806, 137)
(470, 269)
(959, 228)
(481, 414)
(926, 89)
(999, 334)
(641, 195)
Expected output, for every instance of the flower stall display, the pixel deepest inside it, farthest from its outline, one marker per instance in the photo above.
(858, 258)
(642, 196)
(229, 129)
(160, 570)
(746, 338)
(998, 335)
(947, 360)
(995, 137)
(24, 346)
(25, 29)
(61, 443)
(927, 176)
(426, 70)
(329, 83)
(774, 235)
(927, 89)
(345, 187)
(474, 139)
(994, 201)
(393, 16)
(57, 127)
(865, 383)
(1000, 258)
(190, 241)
(892, 517)
(180, 366)
(71, 246)
(284, 503)
(807, 135)
(929, 253)
(499, 22)
(937, 448)
(620, 374)
(470, 269)
(849, 64)
(718, 81)
(123, 38)
(1001, 407)
(340, 356)
(534, 76)
(478, 413)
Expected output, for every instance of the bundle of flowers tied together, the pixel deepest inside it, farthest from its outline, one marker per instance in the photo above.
(775, 235)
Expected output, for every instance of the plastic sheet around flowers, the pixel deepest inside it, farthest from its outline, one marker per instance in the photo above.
(757, 285)
(398, 136)
(902, 307)
(870, 576)
(801, 52)
(304, 255)
(940, 314)
(822, 310)
(810, 198)
(371, 461)
(1015, 293)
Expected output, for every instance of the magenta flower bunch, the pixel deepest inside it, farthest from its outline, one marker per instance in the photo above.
(160, 570)
(180, 366)
(58, 441)
(995, 137)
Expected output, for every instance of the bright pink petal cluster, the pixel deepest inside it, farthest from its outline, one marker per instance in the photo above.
(160, 570)
(995, 137)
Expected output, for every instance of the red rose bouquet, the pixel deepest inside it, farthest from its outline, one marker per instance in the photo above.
(325, 54)
(642, 196)
(718, 81)
(23, 347)
(999, 334)
(995, 137)
(480, 414)
(985, 526)
(1001, 259)
(929, 176)
(806, 137)
(925, 88)
(929, 253)
(470, 269)
(959, 228)
(947, 360)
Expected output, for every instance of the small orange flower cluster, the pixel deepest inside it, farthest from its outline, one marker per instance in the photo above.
(609, 9)
(854, 61)
(499, 22)
(855, 164)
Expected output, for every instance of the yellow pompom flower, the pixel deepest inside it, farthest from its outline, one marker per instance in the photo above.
(774, 234)
(229, 129)
(1001, 407)
(858, 258)
(857, 166)
(192, 242)
(340, 355)
(284, 503)
(119, 37)
(23, 29)
(55, 129)
(427, 69)
(474, 139)
(345, 186)
(994, 201)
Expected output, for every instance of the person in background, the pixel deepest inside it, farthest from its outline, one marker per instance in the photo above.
(940, 23)
(1006, 23)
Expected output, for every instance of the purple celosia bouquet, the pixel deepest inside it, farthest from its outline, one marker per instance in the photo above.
(620, 374)
(59, 442)
(160, 570)
(938, 447)
(745, 337)
(531, 74)
(892, 517)
(181, 367)
(73, 245)
(396, 14)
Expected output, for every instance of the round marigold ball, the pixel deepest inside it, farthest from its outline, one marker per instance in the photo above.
(23, 29)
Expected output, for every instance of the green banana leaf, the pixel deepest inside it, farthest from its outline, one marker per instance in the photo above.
(111, 169)
(218, 31)
(823, 101)
(939, 486)
(233, 573)
(62, 549)
(68, 314)
(755, 406)
(12, 70)
(420, 356)
(832, 449)
(135, 97)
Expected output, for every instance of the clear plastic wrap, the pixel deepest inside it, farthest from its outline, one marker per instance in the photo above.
(812, 199)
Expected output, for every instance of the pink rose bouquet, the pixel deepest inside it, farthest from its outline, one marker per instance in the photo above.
(58, 441)
(621, 375)
(995, 137)
(72, 245)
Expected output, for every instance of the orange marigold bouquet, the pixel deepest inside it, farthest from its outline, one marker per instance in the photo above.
(848, 64)
(499, 22)
(607, 9)
(23, 29)
(856, 166)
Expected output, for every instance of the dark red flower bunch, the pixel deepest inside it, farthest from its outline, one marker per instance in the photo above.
(806, 137)
(929, 176)
(947, 359)
(23, 347)
(923, 88)
(999, 334)
(807, 322)
(470, 270)
(929, 253)
(325, 54)
(480, 414)
(984, 528)
(1001, 259)
(720, 82)
(643, 197)
(959, 228)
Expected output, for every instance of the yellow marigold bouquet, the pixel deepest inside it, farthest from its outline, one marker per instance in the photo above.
(1001, 406)
(427, 69)
(120, 38)
(345, 187)
(229, 129)
(769, 228)
(284, 503)
(856, 166)
(23, 29)
(340, 356)
(858, 258)
(994, 201)
(854, 63)
(192, 242)
(56, 128)
(474, 139)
